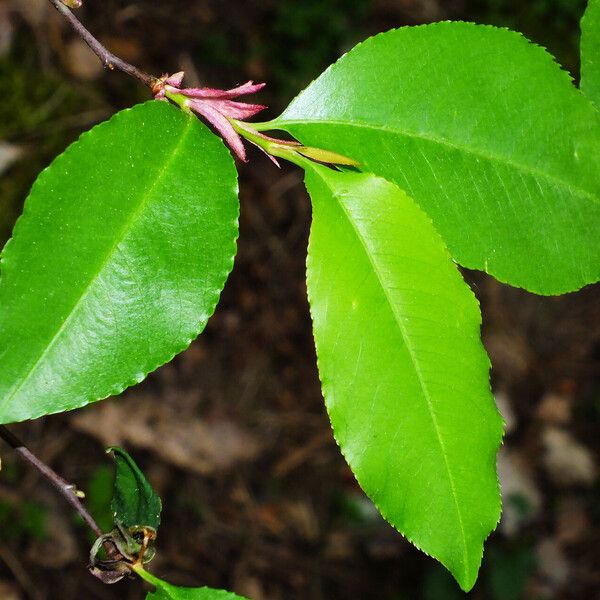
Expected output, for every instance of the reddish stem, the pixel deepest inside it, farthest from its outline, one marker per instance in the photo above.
(109, 60)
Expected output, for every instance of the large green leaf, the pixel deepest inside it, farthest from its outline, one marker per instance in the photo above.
(404, 373)
(590, 52)
(484, 131)
(117, 262)
(134, 503)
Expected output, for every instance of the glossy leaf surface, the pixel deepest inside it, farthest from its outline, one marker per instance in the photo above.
(590, 52)
(134, 503)
(166, 591)
(117, 262)
(172, 592)
(485, 131)
(404, 373)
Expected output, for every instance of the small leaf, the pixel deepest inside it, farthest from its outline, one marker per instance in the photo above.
(590, 52)
(166, 591)
(134, 503)
(484, 131)
(118, 261)
(404, 374)
(171, 592)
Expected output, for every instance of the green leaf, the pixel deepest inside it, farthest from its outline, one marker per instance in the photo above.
(171, 592)
(484, 131)
(590, 52)
(404, 373)
(117, 262)
(134, 503)
(166, 591)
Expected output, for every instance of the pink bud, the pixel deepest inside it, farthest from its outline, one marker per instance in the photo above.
(218, 107)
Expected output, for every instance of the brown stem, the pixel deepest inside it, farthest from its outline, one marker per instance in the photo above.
(67, 490)
(109, 60)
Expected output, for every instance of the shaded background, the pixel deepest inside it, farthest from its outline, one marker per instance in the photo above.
(233, 433)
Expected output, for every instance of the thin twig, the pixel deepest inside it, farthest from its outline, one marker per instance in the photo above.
(109, 60)
(67, 490)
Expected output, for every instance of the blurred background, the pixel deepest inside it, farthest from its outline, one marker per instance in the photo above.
(233, 433)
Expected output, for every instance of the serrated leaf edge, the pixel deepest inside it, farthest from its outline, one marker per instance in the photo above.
(281, 123)
(193, 333)
(466, 584)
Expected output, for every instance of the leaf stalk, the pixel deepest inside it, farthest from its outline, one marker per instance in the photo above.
(109, 60)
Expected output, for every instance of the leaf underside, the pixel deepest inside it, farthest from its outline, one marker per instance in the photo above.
(590, 52)
(404, 374)
(118, 261)
(485, 131)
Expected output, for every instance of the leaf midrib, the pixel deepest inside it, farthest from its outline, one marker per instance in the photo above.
(409, 347)
(476, 152)
(127, 226)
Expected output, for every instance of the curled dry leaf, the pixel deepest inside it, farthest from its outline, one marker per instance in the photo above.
(181, 439)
